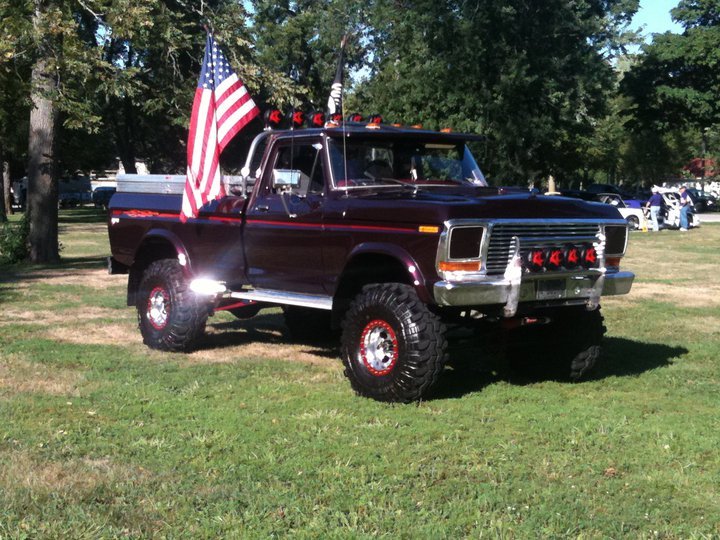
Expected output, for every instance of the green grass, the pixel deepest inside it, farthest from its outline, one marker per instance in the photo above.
(254, 436)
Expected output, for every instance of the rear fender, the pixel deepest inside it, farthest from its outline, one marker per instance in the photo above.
(156, 244)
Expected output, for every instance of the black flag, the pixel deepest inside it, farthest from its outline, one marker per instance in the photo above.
(334, 105)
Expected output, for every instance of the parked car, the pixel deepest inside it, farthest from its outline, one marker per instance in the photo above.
(670, 214)
(68, 199)
(704, 202)
(577, 194)
(101, 196)
(634, 216)
(598, 189)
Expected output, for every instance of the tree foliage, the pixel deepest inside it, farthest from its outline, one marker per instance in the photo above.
(538, 79)
(533, 76)
(675, 85)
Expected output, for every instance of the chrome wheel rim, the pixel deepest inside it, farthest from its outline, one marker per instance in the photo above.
(378, 347)
(158, 308)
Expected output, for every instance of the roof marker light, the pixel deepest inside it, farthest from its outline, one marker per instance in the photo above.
(316, 120)
(273, 119)
(297, 119)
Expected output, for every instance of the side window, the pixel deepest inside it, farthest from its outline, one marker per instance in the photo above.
(305, 160)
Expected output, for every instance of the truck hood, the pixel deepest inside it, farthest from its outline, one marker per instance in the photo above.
(437, 206)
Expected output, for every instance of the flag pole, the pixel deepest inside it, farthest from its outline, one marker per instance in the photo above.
(336, 103)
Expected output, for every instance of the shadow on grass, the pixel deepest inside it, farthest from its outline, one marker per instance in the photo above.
(266, 329)
(626, 358)
(13, 275)
(82, 215)
(472, 366)
(35, 272)
(621, 358)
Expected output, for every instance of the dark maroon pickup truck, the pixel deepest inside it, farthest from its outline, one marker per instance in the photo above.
(391, 235)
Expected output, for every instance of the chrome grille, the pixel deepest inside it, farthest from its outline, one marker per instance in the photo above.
(533, 235)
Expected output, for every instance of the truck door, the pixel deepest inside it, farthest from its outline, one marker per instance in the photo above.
(283, 232)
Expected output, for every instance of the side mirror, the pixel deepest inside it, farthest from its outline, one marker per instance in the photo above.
(286, 178)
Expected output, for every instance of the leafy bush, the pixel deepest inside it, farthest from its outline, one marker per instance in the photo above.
(14, 241)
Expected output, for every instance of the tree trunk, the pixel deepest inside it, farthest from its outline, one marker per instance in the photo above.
(124, 136)
(42, 202)
(4, 189)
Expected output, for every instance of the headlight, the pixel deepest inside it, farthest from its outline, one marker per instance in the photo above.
(461, 252)
(615, 240)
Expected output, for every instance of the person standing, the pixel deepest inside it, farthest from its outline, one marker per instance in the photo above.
(655, 204)
(685, 204)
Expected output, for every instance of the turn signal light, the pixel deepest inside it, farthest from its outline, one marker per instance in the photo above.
(451, 266)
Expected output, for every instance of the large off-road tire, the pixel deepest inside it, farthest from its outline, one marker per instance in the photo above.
(171, 317)
(308, 324)
(393, 346)
(566, 348)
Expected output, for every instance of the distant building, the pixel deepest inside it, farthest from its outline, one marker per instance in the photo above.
(699, 168)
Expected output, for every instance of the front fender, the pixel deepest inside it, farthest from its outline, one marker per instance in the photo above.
(410, 267)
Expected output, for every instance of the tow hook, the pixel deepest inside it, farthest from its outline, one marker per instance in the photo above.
(516, 322)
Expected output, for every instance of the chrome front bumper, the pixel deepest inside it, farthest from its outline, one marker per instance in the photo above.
(562, 288)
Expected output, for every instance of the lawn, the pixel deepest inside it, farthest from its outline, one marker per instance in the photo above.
(253, 435)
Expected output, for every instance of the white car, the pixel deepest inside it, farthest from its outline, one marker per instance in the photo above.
(670, 213)
(634, 216)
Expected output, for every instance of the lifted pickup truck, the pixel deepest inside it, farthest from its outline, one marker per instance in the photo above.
(389, 234)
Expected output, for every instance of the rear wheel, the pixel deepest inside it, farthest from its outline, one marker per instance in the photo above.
(393, 346)
(566, 348)
(170, 315)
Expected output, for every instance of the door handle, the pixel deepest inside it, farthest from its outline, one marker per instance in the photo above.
(262, 208)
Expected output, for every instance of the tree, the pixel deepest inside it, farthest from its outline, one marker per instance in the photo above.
(14, 98)
(676, 83)
(4, 194)
(533, 76)
(114, 77)
(42, 182)
(299, 42)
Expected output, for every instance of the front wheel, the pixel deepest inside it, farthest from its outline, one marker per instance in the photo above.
(170, 315)
(393, 346)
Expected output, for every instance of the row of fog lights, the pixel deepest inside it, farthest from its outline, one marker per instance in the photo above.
(569, 257)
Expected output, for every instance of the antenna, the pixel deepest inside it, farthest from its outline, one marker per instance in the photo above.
(344, 127)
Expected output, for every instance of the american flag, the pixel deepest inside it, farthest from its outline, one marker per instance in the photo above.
(222, 107)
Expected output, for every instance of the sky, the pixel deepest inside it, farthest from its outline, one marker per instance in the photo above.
(655, 16)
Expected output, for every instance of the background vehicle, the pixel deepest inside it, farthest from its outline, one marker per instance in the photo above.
(703, 202)
(597, 189)
(101, 196)
(670, 213)
(634, 216)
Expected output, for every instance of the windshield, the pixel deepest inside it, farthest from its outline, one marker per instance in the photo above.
(389, 162)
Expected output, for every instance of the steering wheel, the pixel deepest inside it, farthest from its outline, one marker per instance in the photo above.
(378, 168)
